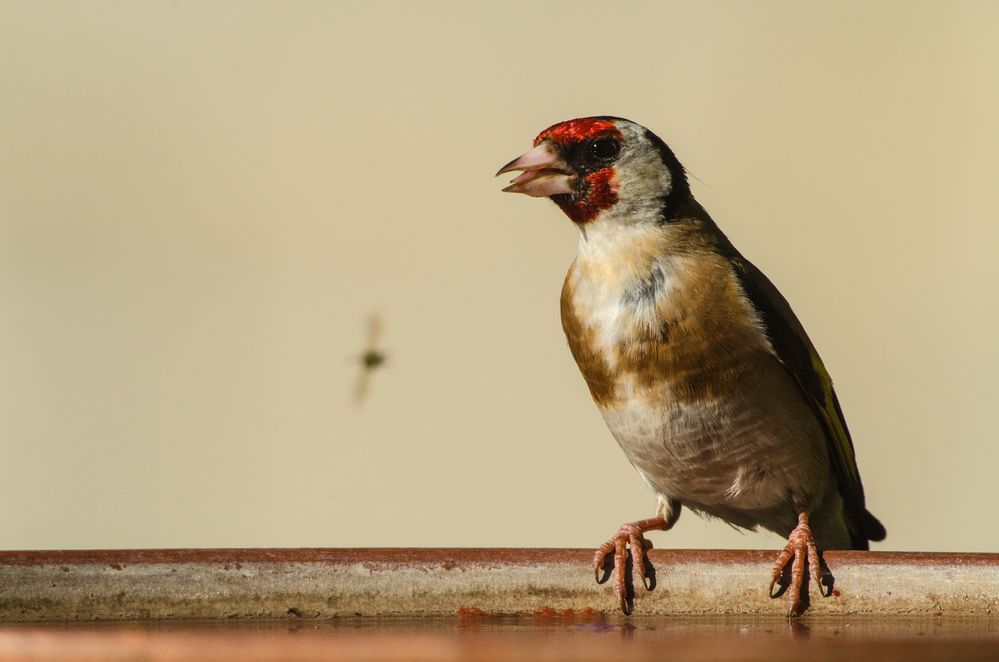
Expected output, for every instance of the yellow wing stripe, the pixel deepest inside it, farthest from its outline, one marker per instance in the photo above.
(833, 421)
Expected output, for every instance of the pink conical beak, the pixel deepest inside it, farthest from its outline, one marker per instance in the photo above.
(544, 173)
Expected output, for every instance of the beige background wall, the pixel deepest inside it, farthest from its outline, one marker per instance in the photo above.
(202, 202)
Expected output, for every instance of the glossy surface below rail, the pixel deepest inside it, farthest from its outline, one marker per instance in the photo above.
(542, 636)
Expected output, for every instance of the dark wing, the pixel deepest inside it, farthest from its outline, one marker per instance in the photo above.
(802, 362)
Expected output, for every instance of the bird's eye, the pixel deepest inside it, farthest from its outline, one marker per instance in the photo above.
(604, 149)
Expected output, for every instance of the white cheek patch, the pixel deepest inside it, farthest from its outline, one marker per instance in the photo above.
(642, 177)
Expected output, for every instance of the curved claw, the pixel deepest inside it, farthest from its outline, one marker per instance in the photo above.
(773, 582)
(778, 570)
(815, 568)
(638, 557)
(600, 560)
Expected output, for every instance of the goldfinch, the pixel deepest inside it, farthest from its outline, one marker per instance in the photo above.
(699, 367)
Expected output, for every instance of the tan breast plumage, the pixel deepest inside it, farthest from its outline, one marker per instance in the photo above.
(659, 318)
(677, 361)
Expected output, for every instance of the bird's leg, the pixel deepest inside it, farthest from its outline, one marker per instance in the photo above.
(800, 546)
(632, 536)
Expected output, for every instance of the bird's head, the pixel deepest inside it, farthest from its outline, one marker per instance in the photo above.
(600, 168)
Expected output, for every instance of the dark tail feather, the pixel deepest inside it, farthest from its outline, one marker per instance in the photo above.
(873, 529)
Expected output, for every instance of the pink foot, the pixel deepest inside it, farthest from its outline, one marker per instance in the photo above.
(629, 537)
(800, 546)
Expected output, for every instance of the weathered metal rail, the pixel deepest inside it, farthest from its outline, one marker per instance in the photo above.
(323, 583)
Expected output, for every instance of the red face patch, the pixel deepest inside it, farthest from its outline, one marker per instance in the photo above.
(599, 189)
(601, 193)
(576, 130)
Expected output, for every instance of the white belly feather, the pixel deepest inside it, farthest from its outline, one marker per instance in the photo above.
(741, 450)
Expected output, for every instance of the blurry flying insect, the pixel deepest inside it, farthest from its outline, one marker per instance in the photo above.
(371, 359)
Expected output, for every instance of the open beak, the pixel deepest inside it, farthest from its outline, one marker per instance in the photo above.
(543, 173)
